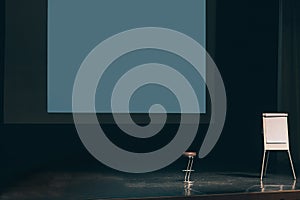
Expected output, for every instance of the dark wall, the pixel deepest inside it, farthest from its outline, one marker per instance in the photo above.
(246, 54)
(247, 33)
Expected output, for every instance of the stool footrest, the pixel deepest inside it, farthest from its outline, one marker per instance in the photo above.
(189, 182)
(188, 170)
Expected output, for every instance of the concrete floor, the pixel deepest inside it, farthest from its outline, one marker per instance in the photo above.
(56, 185)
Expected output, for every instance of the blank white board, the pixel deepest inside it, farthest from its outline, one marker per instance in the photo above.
(276, 128)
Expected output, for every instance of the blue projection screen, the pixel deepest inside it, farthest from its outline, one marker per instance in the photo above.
(77, 27)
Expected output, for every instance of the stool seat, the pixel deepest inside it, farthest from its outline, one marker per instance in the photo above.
(188, 154)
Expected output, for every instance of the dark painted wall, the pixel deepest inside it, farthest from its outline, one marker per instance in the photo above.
(246, 54)
(247, 33)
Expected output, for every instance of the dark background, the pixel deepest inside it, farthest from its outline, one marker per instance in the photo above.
(246, 52)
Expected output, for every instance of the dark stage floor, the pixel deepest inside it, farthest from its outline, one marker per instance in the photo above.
(165, 183)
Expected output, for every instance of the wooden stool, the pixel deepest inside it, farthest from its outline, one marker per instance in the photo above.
(189, 170)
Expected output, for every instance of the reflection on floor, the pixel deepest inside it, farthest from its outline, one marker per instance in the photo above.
(100, 185)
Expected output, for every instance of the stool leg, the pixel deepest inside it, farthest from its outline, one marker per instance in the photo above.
(187, 170)
(190, 169)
